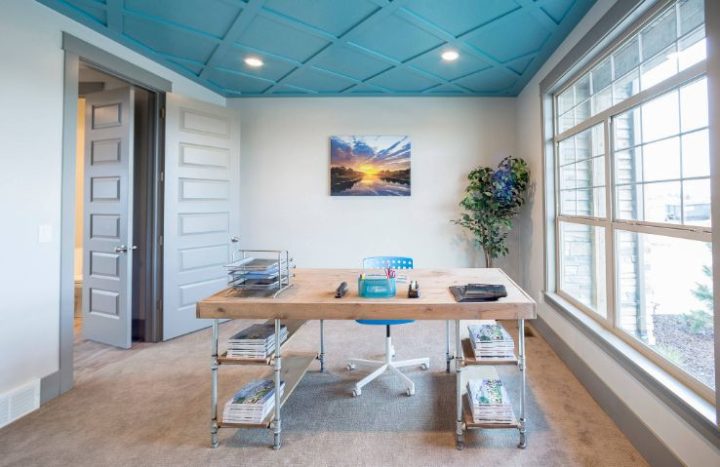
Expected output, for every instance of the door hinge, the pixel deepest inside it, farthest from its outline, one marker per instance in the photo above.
(162, 113)
(162, 177)
(160, 240)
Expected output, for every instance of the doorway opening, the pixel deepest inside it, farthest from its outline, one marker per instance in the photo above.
(118, 214)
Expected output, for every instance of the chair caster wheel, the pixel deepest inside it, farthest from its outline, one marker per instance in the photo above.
(356, 392)
(350, 367)
(410, 392)
(424, 366)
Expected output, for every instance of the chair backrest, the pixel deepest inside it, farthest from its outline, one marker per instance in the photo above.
(395, 262)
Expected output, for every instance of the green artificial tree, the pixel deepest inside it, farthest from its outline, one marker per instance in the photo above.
(701, 321)
(492, 198)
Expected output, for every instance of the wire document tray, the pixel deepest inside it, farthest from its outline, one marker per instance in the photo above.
(260, 271)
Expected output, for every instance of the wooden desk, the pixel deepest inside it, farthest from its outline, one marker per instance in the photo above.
(312, 296)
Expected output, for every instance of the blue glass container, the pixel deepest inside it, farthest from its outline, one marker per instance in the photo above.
(376, 286)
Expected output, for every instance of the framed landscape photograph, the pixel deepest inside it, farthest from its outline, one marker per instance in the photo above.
(369, 166)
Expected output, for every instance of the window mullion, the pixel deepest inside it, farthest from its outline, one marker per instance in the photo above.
(610, 274)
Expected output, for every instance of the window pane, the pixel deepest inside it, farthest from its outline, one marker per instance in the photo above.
(696, 154)
(582, 173)
(582, 264)
(582, 89)
(659, 34)
(566, 121)
(665, 299)
(627, 58)
(628, 168)
(696, 202)
(694, 105)
(626, 129)
(566, 101)
(662, 202)
(601, 75)
(659, 68)
(661, 160)
(602, 100)
(582, 111)
(627, 86)
(660, 117)
(691, 15)
(674, 41)
(692, 49)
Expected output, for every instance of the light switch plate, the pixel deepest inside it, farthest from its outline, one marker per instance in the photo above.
(45, 233)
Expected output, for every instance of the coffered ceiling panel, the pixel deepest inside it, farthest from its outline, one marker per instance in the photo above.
(340, 47)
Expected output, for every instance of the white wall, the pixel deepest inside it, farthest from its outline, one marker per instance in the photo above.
(687, 444)
(31, 93)
(285, 161)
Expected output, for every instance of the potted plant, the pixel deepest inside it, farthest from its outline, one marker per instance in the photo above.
(492, 198)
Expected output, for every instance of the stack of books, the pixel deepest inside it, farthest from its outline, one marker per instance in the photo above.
(252, 403)
(491, 341)
(255, 342)
(489, 402)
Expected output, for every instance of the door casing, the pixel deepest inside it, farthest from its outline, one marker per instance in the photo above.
(76, 50)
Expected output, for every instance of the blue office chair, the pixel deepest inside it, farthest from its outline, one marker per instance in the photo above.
(379, 262)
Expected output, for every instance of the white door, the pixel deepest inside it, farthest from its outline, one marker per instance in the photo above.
(107, 236)
(202, 173)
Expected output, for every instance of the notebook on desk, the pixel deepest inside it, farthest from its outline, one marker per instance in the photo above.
(478, 292)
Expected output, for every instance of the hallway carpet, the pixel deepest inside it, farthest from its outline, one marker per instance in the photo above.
(150, 405)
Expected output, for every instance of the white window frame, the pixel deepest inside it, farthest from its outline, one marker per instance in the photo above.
(609, 223)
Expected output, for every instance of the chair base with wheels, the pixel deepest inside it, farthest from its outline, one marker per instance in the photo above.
(381, 366)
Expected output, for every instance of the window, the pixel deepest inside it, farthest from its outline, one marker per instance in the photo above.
(632, 170)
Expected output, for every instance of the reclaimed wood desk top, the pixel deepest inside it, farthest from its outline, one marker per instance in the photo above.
(312, 296)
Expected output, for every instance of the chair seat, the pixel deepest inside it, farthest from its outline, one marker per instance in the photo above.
(384, 322)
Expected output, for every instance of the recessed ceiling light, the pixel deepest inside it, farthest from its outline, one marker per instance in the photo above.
(450, 55)
(253, 62)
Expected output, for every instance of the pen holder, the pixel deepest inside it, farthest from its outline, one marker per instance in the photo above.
(376, 287)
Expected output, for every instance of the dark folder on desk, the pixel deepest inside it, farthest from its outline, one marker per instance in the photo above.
(478, 292)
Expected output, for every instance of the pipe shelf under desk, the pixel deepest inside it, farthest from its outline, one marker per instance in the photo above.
(293, 326)
(294, 367)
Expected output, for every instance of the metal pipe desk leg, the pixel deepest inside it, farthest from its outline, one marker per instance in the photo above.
(459, 425)
(214, 385)
(522, 364)
(448, 355)
(277, 423)
(321, 356)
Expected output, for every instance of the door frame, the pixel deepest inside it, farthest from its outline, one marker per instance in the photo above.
(75, 51)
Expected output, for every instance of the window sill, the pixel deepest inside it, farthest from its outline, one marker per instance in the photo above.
(695, 410)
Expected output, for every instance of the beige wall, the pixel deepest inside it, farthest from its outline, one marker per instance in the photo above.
(285, 193)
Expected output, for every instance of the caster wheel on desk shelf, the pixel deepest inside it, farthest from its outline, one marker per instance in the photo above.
(356, 392)
(350, 367)
(424, 366)
(410, 392)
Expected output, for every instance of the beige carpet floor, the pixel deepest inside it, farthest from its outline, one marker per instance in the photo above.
(150, 406)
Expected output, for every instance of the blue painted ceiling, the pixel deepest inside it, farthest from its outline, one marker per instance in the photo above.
(340, 47)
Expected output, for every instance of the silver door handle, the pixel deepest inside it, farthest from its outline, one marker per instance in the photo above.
(124, 248)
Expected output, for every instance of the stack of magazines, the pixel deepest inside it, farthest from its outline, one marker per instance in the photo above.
(491, 341)
(258, 273)
(252, 403)
(489, 401)
(255, 342)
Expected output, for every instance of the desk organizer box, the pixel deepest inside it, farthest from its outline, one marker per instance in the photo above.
(376, 286)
